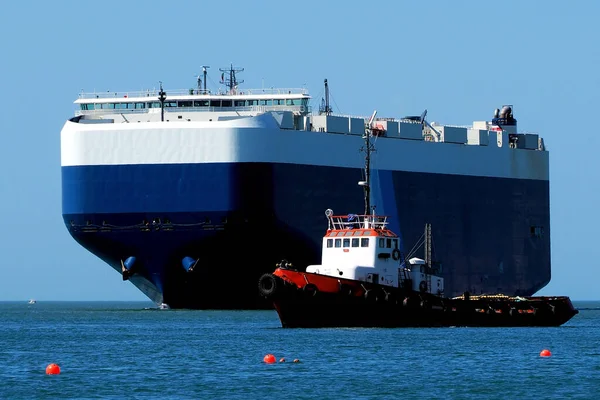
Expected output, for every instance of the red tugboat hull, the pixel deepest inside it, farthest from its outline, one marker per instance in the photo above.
(308, 300)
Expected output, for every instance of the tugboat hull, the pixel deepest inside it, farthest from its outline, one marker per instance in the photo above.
(359, 304)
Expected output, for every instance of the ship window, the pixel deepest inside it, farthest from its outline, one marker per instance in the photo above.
(355, 242)
(289, 102)
(278, 102)
(381, 243)
(215, 103)
(140, 105)
(304, 102)
(358, 233)
(155, 104)
(239, 103)
(395, 243)
(389, 243)
(170, 104)
(329, 242)
(364, 242)
(226, 103)
(251, 102)
(349, 233)
(346, 242)
(338, 242)
(186, 103)
(201, 103)
(297, 102)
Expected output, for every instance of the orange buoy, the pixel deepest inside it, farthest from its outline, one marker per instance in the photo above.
(282, 359)
(545, 353)
(52, 369)
(269, 359)
(296, 360)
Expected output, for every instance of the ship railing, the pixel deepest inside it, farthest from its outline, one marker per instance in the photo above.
(191, 92)
(353, 221)
(252, 109)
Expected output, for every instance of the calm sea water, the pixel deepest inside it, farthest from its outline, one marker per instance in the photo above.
(130, 350)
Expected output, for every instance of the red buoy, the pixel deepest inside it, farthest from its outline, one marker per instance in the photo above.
(545, 353)
(52, 369)
(269, 359)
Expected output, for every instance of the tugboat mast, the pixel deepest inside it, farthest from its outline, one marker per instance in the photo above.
(368, 149)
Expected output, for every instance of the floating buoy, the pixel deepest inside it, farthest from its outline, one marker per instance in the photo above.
(282, 359)
(52, 369)
(545, 353)
(269, 359)
(296, 360)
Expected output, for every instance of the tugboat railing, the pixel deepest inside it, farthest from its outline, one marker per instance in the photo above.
(354, 221)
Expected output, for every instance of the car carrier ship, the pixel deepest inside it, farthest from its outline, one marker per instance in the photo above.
(178, 191)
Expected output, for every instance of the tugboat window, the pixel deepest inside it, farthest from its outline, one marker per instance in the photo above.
(329, 242)
(381, 243)
(395, 243)
(338, 242)
(346, 242)
(355, 242)
(389, 243)
(364, 242)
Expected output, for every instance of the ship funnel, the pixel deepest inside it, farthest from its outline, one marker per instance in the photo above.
(188, 263)
(127, 267)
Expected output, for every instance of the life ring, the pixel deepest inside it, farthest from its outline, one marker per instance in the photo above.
(268, 285)
(396, 254)
(423, 286)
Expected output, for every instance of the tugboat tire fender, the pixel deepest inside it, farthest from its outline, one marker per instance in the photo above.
(268, 285)
(346, 290)
(373, 294)
(310, 289)
(390, 297)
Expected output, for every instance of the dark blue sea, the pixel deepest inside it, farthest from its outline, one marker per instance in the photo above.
(134, 351)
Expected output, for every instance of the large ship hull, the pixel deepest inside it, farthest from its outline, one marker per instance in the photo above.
(239, 216)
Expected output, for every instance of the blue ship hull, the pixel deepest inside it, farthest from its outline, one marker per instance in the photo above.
(239, 219)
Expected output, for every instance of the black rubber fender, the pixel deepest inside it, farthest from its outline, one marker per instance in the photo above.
(268, 285)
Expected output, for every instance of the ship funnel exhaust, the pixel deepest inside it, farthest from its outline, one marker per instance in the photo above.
(127, 267)
(188, 263)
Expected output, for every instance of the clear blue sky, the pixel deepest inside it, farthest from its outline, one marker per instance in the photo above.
(458, 59)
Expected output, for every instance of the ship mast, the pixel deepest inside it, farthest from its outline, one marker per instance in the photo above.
(368, 149)
(162, 96)
(231, 82)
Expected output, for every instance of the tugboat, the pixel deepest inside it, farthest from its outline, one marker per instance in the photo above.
(365, 281)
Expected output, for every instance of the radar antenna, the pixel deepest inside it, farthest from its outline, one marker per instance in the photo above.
(230, 81)
(368, 148)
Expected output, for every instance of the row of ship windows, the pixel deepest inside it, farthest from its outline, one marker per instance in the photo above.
(362, 242)
(194, 103)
